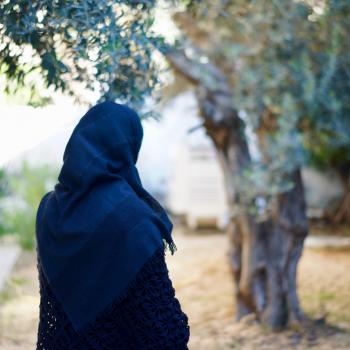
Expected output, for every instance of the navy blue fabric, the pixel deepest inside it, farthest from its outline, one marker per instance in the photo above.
(148, 316)
(98, 226)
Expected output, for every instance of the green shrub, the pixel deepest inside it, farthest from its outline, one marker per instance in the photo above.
(4, 192)
(27, 186)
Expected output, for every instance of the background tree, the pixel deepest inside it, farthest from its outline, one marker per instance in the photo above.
(284, 65)
(327, 104)
(279, 68)
(98, 45)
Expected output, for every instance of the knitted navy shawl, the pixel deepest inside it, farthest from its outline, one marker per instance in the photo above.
(98, 226)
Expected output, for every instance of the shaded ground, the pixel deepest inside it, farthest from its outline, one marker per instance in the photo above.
(200, 274)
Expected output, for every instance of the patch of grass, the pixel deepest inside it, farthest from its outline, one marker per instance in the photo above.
(5, 296)
(341, 318)
(326, 296)
(18, 281)
(12, 288)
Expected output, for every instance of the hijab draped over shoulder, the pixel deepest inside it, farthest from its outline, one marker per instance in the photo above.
(98, 226)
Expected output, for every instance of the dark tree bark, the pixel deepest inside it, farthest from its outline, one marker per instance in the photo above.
(342, 214)
(263, 255)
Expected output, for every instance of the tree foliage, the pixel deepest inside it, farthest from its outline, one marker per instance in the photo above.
(101, 45)
(288, 64)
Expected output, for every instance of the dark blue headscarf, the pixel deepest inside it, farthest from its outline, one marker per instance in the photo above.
(98, 226)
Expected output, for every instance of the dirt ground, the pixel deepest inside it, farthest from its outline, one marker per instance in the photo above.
(200, 273)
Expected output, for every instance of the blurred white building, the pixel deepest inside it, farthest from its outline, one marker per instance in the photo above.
(196, 186)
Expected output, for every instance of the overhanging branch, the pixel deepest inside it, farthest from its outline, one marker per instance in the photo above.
(207, 74)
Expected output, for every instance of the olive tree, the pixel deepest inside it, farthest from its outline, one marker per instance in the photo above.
(281, 69)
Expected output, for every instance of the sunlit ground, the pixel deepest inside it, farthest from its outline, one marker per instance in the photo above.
(201, 277)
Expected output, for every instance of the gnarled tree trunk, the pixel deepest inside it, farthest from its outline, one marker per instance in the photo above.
(263, 255)
(342, 214)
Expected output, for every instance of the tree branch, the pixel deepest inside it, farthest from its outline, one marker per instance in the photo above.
(206, 74)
